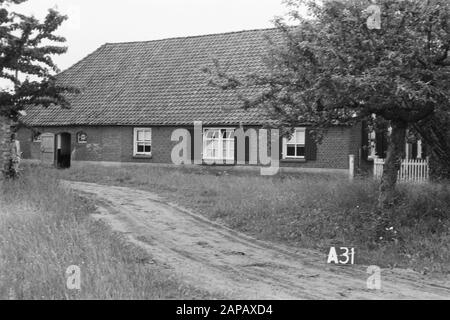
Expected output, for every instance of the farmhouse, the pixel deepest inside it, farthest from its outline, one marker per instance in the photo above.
(134, 95)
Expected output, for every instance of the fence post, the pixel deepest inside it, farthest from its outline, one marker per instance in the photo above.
(351, 167)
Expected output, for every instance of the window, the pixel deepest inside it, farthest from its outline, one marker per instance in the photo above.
(372, 147)
(218, 144)
(294, 148)
(142, 142)
(36, 137)
(81, 137)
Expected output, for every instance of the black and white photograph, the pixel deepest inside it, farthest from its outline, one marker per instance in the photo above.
(223, 155)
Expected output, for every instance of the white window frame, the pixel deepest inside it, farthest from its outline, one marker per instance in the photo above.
(419, 149)
(293, 141)
(230, 152)
(145, 142)
(372, 145)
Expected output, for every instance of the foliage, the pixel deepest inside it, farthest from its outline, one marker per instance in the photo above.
(26, 49)
(329, 68)
(435, 131)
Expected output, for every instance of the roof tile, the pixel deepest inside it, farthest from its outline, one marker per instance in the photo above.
(158, 83)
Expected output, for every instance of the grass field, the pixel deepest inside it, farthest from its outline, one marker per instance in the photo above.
(44, 229)
(306, 210)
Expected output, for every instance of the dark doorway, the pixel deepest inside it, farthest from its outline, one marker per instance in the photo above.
(63, 150)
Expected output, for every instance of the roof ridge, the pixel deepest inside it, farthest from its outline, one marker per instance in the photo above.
(163, 39)
(189, 37)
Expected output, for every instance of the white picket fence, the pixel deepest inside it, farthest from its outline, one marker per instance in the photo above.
(410, 170)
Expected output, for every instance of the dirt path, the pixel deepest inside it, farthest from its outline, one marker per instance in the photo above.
(219, 260)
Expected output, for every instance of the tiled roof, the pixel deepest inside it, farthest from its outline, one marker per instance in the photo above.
(158, 82)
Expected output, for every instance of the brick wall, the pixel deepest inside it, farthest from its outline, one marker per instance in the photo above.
(109, 143)
(5, 138)
(161, 145)
(333, 151)
(116, 144)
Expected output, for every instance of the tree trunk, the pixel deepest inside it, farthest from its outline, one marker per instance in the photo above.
(395, 154)
(435, 133)
(5, 137)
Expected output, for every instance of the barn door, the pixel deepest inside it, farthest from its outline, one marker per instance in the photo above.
(48, 148)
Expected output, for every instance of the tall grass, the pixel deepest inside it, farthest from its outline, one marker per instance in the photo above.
(45, 228)
(307, 210)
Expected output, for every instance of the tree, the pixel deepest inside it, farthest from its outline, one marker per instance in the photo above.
(435, 132)
(26, 49)
(333, 68)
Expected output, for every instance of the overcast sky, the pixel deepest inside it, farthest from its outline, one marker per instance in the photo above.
(94, 22)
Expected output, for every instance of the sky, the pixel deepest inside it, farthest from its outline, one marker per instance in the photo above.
(95, 22)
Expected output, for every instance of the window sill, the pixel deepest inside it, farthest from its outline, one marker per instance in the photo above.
(293, 160)
(142, 156)
(216, 162)
(223, 160)
(223, 164)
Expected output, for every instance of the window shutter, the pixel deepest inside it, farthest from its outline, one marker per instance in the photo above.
(235, 150)
(281, 148)
(381, 143)
(192, 146)
(365, 141)
(310, 146)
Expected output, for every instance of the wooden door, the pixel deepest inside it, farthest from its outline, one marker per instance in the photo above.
(48, 148)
